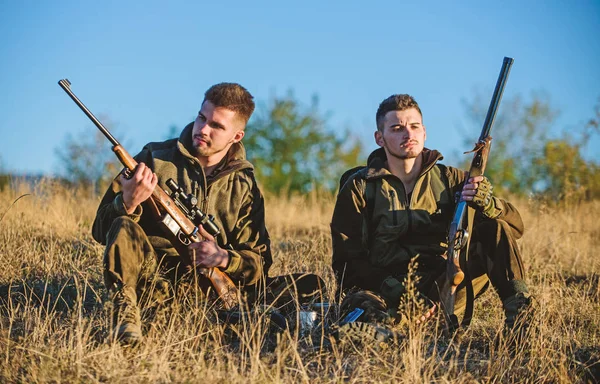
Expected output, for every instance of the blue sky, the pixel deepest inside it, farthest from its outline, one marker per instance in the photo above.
(147, 64)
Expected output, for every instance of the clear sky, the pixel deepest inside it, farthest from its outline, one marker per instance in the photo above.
(146, 64)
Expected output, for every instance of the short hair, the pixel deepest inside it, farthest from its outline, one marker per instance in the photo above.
(395, 103)
(231, 96)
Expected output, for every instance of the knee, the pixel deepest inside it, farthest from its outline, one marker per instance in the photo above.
(491, 229)
(505, 231)
(123, 222)
(123, 226)
(502, 225)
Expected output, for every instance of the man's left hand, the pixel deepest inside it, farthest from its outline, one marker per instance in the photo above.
(478, 190)
(207, 253)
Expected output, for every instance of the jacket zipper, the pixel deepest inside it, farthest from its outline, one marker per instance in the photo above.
(408, 212)
(201, 195)
(394, 208)
(205, 195)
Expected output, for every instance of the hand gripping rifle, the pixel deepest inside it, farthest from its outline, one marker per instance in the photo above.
(177, 213)
(462, 222)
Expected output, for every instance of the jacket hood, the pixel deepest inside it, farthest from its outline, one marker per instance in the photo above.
(378, 158)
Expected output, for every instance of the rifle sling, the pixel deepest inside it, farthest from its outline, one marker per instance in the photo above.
(154, 208)
(470, 299)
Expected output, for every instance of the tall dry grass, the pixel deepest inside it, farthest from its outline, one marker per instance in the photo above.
(55, 328)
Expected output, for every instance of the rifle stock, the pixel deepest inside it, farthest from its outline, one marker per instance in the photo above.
(177, 225)
(462, 222)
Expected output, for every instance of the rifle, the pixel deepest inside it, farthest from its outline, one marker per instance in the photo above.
(177, 213)
(462, 222)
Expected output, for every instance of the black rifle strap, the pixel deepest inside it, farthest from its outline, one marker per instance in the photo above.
(468, 316)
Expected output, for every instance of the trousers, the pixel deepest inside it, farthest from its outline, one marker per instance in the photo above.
(130, 260)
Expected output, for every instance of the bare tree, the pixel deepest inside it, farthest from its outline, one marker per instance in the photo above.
(87, 159)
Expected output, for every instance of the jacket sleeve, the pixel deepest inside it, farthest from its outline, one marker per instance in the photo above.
(349, 234)
(505, 211)
(111, 206)
(251, 256)
(109, 209)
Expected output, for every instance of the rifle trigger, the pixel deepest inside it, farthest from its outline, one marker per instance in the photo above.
(127, 173)
(183, 239)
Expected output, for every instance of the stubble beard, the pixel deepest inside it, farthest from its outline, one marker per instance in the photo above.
(408, 154)
(199, 151)
(202, 150)
(405, 156)
(208, 150)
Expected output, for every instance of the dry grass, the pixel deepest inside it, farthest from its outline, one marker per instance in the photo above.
(54, 328)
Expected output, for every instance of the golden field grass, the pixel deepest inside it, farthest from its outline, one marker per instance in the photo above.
(55, 328)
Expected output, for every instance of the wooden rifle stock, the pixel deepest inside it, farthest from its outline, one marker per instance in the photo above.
(462, 222)
(177, 225)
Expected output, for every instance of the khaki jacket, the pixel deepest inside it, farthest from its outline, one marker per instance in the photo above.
(231, 195)
(374, 243)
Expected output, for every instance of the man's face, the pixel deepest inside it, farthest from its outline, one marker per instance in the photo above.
(215, 130)
(403, 134)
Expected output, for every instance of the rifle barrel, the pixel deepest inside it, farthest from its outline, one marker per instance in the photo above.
(65, 84)
(496, 97)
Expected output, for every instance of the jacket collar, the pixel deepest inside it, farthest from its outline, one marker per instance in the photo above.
(378, 158)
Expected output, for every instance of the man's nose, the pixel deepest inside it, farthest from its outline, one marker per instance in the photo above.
(411, 133)
(203, 127)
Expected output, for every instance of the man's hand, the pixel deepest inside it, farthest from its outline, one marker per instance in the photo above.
(478, 190)
(138, 188)
(207, 253)
(428, 315)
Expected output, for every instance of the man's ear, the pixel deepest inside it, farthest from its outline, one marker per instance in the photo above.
(425, 130)
(239, 135)
(379, 138)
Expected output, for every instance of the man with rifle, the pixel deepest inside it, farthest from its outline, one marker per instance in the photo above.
(206, 164)
(398, 209)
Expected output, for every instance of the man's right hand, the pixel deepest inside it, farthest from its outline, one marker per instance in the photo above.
(138, 188)
(427, 315)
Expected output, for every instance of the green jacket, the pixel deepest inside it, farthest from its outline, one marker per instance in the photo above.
(232, 196)
(373, 243)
